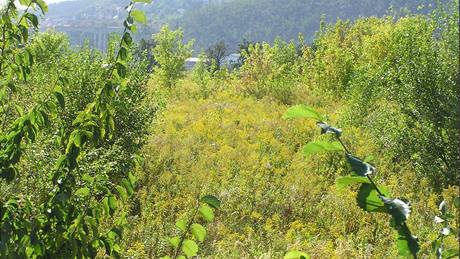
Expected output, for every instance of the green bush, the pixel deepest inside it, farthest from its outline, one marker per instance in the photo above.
(170, 54)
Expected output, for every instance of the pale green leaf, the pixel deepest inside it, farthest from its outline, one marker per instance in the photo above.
(181, 224)
(190, 248)
(302, 111)
(174, 241)
(206, 212)
(321, 146)
(346, 181)
(198, 231)
(139, 16)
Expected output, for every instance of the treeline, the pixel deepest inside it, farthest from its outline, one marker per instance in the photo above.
(231, 21)
(264, 20)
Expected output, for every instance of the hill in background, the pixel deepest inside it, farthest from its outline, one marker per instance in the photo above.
(211, 21)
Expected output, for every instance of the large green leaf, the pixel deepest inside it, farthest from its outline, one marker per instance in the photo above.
(345, 181)
(139, 16)
(302, 111)
(190, 248)
(407, 244)
(369, 199)
(321, 146)
(198, 231)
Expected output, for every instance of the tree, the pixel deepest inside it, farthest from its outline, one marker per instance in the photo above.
(216, 55)
(144, 52)
(171, 54)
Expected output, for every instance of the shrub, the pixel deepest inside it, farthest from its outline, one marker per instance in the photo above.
(171, 54)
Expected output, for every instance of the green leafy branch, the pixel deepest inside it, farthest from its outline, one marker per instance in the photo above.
(190, 230)
(371, 197)
(67, 223)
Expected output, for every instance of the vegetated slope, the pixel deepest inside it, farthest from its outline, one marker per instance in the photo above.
(228, 20)
(264, 20)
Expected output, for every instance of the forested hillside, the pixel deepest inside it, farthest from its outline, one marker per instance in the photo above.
(343, 146)
(264, 20)
(231, 21)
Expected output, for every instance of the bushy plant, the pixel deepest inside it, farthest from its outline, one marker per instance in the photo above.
(56, 204)
(270, 70)
(171, 54)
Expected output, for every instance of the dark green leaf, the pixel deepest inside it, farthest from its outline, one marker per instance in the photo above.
(59, 96)
(121, 70)
(359, 167)
(369, 199)
(407, 244)
(123, 54)
(127, 40)
(211, 201)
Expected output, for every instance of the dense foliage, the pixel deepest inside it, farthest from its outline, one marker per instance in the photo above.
(67, 168)
(203, 163)
(231, 21)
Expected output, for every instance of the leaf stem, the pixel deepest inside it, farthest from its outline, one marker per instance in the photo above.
(347, 151)
(189, 225)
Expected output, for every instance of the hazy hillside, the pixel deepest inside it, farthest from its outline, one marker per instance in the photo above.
(210, 21)
(264, 20)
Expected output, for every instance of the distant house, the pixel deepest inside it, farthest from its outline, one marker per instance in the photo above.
(231, 60)
(190, 63)
(228, 62)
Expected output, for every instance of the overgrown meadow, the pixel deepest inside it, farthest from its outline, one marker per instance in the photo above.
(344, 147)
